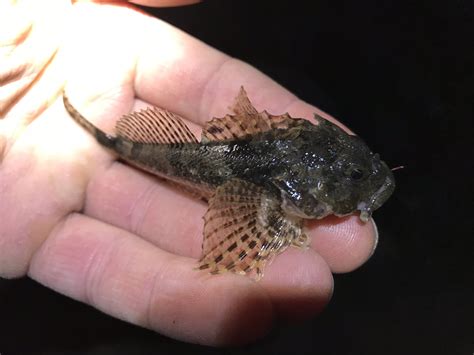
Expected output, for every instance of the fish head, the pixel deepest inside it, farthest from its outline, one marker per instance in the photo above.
(358, 180)
(336, 174)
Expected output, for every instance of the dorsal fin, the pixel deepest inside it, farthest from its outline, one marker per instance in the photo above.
(233, 127)
(246, 122)
(154, 125)
(242, 104)
(244, 227)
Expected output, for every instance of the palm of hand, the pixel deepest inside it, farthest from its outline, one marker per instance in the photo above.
(101, 232)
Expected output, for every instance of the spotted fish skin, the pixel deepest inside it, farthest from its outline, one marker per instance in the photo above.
(261, 174)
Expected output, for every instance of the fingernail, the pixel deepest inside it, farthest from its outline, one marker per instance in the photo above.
(376, 231)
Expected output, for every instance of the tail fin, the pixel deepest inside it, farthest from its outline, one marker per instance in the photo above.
(103, 138)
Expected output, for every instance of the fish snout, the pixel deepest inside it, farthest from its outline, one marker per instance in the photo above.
(377, 199)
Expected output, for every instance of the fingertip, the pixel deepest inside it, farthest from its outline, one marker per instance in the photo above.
(247, 315)
(376, 237)
(126, 277)
(345, 243)
(222, 310)
(299, 283)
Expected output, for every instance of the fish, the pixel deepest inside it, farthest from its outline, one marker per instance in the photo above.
(262, 175)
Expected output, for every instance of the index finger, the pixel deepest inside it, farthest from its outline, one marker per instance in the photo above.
(199, 82)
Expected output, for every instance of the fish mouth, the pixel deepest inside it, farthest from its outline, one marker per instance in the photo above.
(365, 214)
(318, 211)
(378, 198)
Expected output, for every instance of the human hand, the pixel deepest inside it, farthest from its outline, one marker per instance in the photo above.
(101, 232)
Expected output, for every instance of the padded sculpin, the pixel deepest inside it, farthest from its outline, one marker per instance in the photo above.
(261, 174)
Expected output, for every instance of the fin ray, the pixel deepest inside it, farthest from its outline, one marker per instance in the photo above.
(246, 122)
(242, 104)
(244, 228)
(154, 126)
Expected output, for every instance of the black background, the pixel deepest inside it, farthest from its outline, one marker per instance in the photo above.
(400, 74)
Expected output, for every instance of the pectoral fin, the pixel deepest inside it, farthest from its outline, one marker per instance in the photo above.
(244, 227)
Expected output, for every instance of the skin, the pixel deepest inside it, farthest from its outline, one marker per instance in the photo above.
(80, 222)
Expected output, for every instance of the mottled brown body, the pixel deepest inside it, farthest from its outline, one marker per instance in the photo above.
(262, 175)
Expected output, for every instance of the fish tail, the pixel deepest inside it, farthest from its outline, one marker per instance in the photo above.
(103, 138)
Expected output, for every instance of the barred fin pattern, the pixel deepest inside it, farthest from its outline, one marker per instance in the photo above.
(244, 228)
(246, 122)
(154, 125)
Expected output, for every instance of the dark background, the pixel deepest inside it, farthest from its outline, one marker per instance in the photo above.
(400, 74)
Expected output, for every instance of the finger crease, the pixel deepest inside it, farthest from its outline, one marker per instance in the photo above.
(95, 263)
(144, 201)
(210, 83)
(149, 306)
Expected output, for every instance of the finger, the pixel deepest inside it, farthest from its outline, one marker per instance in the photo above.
(344, 243)
(164, 3)
(300, 283)
(42, 179)
(31, 34)
(131, 279)
(197, 81)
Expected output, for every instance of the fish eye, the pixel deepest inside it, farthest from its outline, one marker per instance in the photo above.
(356, 174)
